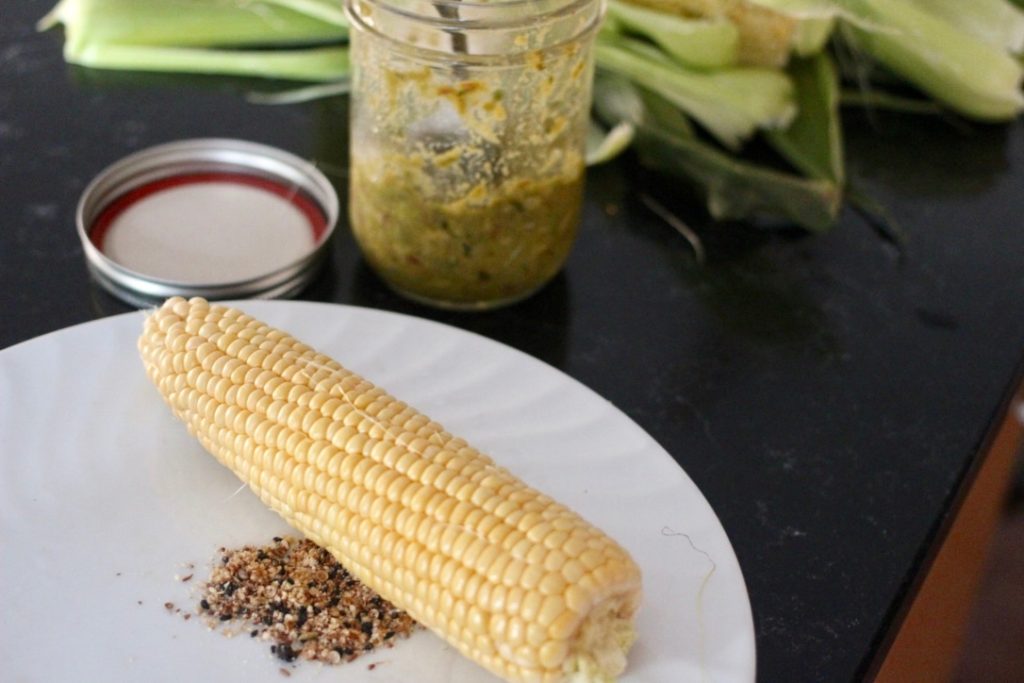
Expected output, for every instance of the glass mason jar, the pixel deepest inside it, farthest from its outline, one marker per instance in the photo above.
(467, 142)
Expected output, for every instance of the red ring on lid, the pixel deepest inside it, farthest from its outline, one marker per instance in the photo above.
(112, 211)
(212, 217)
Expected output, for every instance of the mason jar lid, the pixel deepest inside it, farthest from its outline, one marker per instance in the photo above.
(217, 218)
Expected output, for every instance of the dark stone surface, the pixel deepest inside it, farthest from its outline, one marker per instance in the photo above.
(827, 394)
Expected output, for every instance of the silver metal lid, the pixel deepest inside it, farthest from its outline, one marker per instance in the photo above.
(217, 218)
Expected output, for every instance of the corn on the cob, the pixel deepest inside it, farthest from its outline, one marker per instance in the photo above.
(514, 580)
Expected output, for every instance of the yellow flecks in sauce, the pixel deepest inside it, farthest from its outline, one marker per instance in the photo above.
(462, 94)
(447, 158)
(493, 243)
(470, 191)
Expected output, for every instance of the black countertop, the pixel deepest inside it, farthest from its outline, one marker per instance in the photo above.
(829, 395)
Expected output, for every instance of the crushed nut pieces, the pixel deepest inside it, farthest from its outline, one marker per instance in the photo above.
(295, 594)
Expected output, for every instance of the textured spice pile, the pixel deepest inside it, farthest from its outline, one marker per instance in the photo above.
(295, 594)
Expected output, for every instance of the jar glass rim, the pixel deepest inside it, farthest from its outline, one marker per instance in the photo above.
(483, 4)
(502, 32)
(497, 13)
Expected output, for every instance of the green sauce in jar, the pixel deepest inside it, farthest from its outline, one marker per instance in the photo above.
(491, 246)
(467, 142)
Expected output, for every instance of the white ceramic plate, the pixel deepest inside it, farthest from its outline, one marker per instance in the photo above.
(104, 498)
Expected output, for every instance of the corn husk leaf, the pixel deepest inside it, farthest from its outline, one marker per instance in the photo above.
(327, 11)
(875, 99)
(996, 22)
(813, 143)
(812, 35)
(699, 43)
(203, 36)
(605, 144)
(967, 74)
(311, 64)
(765, 36)
(730, 103)
(304, 94)
(732, 188)
(190, 23)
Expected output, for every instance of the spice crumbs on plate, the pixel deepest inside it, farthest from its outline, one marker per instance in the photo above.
(295, 594)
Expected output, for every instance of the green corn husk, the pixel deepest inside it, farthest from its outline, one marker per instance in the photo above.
(816, 20)
(190, 23)
(730, 103)
(813, 143)
(605, 144)
(954, 50)
(996, 22)
(764, 35)
(812, 35)
(202, 36)
(733, 189)
(310, 64)
(880, 100)
(967, 74)
(699, 43)
(327, 11)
